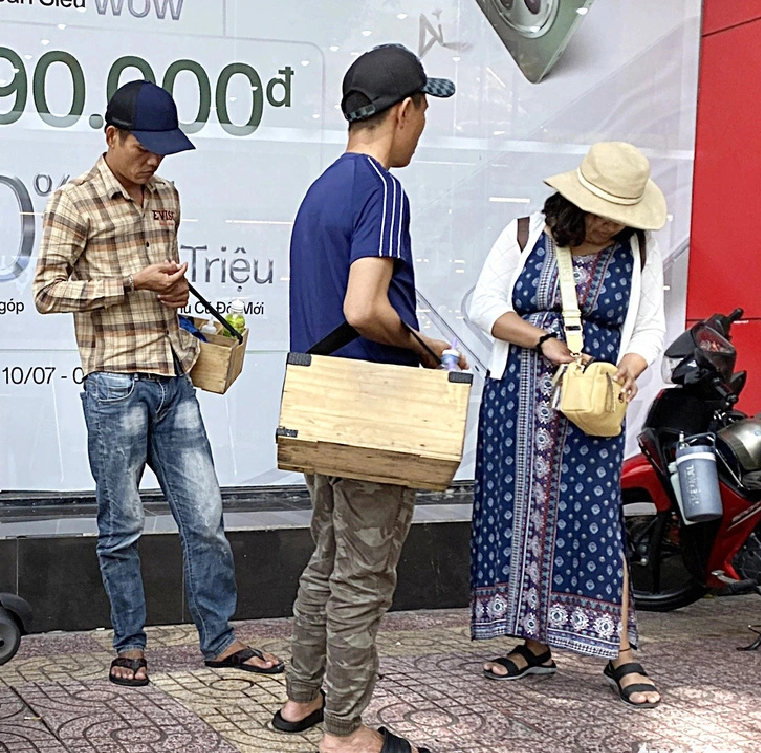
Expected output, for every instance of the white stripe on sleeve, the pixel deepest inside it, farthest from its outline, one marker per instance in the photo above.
(401, 218)
(393, 219)
(392, 213)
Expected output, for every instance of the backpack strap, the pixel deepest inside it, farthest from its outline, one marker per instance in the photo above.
(523, 227)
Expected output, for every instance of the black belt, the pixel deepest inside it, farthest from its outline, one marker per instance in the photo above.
(142, 376)
(145, 376)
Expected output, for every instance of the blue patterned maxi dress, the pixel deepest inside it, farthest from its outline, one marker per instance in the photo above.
(548, 537)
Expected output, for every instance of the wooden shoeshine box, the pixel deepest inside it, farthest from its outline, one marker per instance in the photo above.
(354, 419)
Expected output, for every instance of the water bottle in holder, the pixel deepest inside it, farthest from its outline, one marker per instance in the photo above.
(700, 495)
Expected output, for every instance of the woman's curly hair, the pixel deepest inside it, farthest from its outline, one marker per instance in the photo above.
(567, 222)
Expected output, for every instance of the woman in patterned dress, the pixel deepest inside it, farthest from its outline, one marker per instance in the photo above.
(548, 547)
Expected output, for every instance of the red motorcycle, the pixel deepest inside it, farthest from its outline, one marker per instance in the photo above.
(674, 563)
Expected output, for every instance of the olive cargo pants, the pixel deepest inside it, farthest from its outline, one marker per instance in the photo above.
(358, 528)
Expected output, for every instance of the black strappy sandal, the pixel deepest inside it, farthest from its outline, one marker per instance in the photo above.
(614, 675)
(134, 665)
(316, 717)
(535, 665)
(238, 660)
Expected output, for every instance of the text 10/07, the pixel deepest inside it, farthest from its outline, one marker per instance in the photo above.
(19, 376)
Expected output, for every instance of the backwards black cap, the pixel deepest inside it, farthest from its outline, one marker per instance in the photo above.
(381, 78)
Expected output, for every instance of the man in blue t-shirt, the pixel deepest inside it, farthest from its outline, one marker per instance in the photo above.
(352, 275)
(357, 210)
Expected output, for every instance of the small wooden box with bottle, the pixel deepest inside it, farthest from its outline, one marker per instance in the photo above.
(221, 358)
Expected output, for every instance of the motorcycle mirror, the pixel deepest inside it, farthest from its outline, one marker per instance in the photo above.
(683, 346)
(737, 382)
(721, 323)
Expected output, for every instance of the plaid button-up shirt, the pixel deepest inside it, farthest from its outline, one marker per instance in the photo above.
(94, 237)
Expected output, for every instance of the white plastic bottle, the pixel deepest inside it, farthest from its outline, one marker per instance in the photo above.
(450, 360)
(208, 328)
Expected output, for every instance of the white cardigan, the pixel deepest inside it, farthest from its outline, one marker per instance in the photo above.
(645, 324)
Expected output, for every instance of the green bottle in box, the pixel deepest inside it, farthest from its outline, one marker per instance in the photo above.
(235, 318)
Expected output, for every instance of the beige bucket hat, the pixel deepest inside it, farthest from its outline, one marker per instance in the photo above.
(614, 182)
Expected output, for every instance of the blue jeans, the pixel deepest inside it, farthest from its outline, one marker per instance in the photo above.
(133, 421)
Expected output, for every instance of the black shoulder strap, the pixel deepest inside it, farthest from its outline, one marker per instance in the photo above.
(213, 311)
(342, 335)
(523, 226)
(339, 338)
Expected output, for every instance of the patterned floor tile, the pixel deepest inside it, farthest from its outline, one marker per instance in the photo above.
(56, 667)
(189, 658)
(186, 635)
(54, 697)
(22, 730)
(427, 620)
(98, 717)
(419, 642)
(211, 687)
(158, 637)
(176, 648)
(240, 707)
(50, 644)
(252, 735)
(444, 727)
(251, 631)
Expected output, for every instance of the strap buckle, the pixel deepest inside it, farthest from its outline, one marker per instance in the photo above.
(572, 319)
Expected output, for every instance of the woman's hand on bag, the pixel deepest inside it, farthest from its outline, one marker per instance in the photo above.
(556, 351)
(629, 368)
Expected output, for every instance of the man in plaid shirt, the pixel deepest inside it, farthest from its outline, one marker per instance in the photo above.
(109, 256)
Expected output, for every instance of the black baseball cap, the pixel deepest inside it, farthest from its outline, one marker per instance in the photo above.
(150, 114)
(385, 76)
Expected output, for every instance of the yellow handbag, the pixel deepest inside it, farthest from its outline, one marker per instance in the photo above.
(585, 392)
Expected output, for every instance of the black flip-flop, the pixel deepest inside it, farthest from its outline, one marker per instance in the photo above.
(134, 665)
(535, 665)
(394, 744)
(316, 717)
(238, 660)
(614, 675)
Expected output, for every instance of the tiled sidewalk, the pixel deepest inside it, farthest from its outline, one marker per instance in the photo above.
(54, 698)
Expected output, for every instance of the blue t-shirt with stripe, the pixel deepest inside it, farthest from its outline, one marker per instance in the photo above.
(355, 209)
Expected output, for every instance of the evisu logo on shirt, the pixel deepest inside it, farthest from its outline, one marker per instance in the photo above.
(165, 217)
